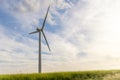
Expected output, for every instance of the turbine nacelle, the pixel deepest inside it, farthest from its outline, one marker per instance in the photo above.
(37, 29)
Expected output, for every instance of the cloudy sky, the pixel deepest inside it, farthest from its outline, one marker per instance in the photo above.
(82, 34)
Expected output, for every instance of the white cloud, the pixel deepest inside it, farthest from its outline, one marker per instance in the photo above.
(28, 13)
(14, 53)
(21, 53)
(92, 28)
(88, 38)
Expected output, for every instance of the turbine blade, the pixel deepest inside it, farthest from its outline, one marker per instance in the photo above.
(45, 18)
(34, 32)
(46, 40)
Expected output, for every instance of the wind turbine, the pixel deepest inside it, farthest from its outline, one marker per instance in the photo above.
(41, 31)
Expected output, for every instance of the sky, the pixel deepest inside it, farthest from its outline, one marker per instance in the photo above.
(82, 34)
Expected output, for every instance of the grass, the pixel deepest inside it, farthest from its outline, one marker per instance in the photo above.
(83, 75)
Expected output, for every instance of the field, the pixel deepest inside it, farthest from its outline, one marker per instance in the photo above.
(83, 75)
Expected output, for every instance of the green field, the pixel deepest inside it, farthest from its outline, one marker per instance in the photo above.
(83, 75)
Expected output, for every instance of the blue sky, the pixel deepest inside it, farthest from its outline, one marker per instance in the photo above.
(83, 35)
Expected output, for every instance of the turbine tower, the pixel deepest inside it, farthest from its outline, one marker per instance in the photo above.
(41, 31)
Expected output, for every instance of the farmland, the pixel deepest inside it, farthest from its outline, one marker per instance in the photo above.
(82, 75)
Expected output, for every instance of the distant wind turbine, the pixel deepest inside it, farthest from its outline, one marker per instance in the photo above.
(41, 31)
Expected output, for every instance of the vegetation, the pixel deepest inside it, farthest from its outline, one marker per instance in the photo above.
(84, 75)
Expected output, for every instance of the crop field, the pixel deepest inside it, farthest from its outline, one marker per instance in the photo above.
(82, 75)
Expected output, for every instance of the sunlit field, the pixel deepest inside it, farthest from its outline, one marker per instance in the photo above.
(83, 75)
